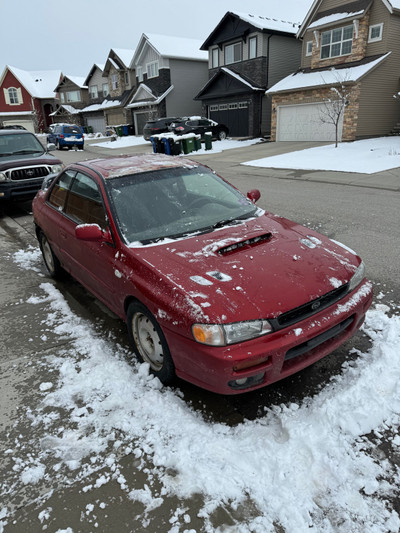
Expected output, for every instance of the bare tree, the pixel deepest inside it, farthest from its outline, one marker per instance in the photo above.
(333, 108)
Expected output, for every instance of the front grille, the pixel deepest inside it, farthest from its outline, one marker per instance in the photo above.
(311, 308)
(28, 173)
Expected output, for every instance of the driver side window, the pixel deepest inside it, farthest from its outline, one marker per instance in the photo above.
(85, 203)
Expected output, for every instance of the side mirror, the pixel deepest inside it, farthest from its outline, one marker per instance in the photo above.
(254, 195)
(92, 232)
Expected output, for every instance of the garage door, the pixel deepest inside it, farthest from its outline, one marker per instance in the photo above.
(140, 121)
(233, 115)
(97, 123)
(305, 123)
(27, 124)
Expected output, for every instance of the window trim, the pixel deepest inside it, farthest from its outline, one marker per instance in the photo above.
(152, 72)
(375, 39)
(232, 45)
(341, 42)
(67, 97)
(93, 92)
(107, 91)
(114, 81)
(214, 52)
(309, 52)
(252, 39)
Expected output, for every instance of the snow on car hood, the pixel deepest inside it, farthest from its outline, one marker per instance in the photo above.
(261, 268)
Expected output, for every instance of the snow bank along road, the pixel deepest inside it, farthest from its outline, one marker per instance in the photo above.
(89, 441)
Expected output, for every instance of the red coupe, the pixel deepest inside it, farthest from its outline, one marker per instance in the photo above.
(213, 289)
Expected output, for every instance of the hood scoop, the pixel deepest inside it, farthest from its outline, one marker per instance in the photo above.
(248, 243)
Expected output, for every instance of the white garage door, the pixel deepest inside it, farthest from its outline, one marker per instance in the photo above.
(305, 123)
(97, 123)
(27, 124)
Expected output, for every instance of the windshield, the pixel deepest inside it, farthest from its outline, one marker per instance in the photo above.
(172, 203)
(19, 144)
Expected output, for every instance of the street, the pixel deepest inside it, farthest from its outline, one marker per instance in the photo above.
(99, 491)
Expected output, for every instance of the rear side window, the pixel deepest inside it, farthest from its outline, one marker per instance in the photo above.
(59, 191)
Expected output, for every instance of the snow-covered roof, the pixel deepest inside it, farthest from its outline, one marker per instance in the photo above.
(331, 76)
(104, 105)
(238, 77)
(149, 102)
(267, 23)
(78, 80)
(177, 47)
(71, 110)
(336, 17)
(395, 3)
(39, 83)
(124, 54)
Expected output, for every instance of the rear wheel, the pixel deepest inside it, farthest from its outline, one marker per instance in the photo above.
(50, 260)
(58, 145)
(149, 343)
(221, 135)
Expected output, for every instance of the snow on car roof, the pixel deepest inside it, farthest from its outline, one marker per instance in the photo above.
(127, 165)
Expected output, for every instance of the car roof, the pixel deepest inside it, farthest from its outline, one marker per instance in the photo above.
(15, 132)
(136, 164)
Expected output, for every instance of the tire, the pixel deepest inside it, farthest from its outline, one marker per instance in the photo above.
(51, 262)
(149, 343)
(58, 145)
(222, 135)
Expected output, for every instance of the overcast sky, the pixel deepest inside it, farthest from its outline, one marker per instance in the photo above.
(72, 36)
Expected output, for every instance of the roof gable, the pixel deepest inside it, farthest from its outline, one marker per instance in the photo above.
(79, 81)
(39, 84)
(92, 71)
(226, 82)
(170, 47)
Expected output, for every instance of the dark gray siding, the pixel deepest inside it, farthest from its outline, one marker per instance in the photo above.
(187, 77)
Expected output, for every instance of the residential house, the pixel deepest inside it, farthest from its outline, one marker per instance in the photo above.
(351, 51)
(169, 72)
(28, 98)
(121, 83)
(247, 55)
(74, 96)
(93, 114)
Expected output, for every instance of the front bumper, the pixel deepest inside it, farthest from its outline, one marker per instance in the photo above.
(22, 189)
(285, 352)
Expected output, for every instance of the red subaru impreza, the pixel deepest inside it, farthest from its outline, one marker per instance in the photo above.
(213, 289)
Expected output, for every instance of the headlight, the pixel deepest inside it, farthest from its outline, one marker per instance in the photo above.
(357, 277)
(3, 177)
(56, 168)
(221, 335)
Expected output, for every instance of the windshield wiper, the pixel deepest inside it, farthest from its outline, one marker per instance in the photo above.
(232, 221)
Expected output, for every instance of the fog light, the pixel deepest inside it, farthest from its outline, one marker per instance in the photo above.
(245, 383)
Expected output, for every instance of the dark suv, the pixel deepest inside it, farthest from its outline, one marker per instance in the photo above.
(24, 163)
(158, 125)
(199, 125)
(66, 135)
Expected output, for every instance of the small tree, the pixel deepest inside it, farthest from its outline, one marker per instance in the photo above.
(333, 107)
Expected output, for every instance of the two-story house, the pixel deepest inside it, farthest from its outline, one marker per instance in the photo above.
(169, 72)
(349, 48)
(28, 98)
(247, 54)
(93, 114)
(73, 96)
(121, 83)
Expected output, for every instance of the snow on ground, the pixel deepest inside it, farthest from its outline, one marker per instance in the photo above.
(217, 146)
(367, 157)
(301, 465)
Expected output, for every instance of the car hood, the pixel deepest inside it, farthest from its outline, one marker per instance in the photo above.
(24, 160)
(258, 269)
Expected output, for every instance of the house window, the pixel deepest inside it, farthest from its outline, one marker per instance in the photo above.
(13, 96)
(233, 106)
(126, 77)
(309, 48)
(375, 33)
(337, 42)
(233, 53)
(106, 90)
(252, 47)
(214, 58)
(152, 69)
(73, 96)
(223, 107)
(93, 92)
(114, 81)
(139, 72)
(213, 108)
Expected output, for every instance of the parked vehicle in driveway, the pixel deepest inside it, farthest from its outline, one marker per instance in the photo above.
(156, 126)
(66, 136)
(199, 125)
(24, 163)
(213, 289)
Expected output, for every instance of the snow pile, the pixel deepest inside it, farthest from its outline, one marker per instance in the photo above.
(366, 157)
(300, 466)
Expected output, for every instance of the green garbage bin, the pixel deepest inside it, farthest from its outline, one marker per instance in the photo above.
(197, 142)
(208, 140)
(187, 145)
(119, 131)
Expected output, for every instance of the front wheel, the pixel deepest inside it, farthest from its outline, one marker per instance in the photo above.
(149, 343)
(221, 135)
(50, 260)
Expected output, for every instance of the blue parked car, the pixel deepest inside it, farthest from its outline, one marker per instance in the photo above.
(66, 135)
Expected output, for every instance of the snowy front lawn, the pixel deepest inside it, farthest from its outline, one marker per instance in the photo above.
(301, 465)
(366, 157)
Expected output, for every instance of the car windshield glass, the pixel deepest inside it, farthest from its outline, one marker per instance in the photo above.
(172, 203)
(19, 144)
(71, 129)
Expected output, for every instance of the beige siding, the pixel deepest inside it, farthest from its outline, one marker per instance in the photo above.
(379, 111)
(379, 13)
(285, 57)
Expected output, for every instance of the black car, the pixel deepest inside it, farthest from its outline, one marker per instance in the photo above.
(199, 125)
(156, 126)
(12, 127)
(24, 163)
